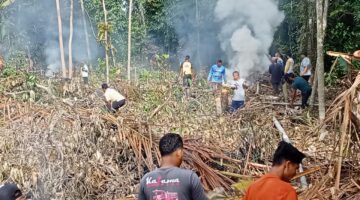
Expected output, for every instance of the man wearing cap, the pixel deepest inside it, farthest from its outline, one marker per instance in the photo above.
(10, 191)
(114, 100)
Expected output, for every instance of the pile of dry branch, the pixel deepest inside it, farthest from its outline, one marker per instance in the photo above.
(70, 148)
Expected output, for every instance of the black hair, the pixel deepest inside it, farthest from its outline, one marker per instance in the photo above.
(104, 86)
(236, 72)
(289, 55)
(288, 76)
(187, 57)
(219, 61)
(286, 151)
(169, 143)
(305, 54)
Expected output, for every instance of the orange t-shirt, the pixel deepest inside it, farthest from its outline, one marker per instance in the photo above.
(270, 187)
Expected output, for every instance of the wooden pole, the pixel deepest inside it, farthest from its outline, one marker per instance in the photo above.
(286, 138)
(106, 42)
(71, 38)
(61, 43)
(86, 33)
(129, 42)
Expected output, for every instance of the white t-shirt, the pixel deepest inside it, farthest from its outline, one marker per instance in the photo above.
(85, 71)
(306, 63)
(113, 95)
(239, 92)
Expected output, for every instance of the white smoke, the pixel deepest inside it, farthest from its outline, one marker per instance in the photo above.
(247, 31)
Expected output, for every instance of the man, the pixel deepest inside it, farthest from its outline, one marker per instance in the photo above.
(85, 73)
(1, 63)
(238, 85)
(279, 58)
(169, 181)
(299, 83)
(305, 67)
(277, 72)
(186, 73)
(217, 76)
(114, 100)
(275, 185)
(10, 191)
(289, 67)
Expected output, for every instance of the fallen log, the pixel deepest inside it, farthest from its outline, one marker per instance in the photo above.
(285, 138)
(285, 104)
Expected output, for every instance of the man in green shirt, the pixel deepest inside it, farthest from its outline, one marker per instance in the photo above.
(299, 83)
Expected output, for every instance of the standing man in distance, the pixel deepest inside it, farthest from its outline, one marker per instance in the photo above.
(289, 69)
(277, 72)
(169, 181)
(217, 76)
(275, 185)
(305, 67)
(187, 75)
(238, 85)
(85, 73)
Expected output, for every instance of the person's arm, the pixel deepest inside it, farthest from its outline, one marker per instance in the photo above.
(210, 74)
(306, 66)
(197, 190)
(224, 75)
(141, 192)
(293, 98)
(287, 66)
(270, 69)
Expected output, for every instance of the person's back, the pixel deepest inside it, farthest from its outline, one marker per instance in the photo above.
(277, 72)
(271, 187)
(301, 84)
(187, 67)
(171, 183)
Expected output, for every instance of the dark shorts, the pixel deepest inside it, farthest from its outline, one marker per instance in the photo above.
(235, 105)
(118, 104)
(187, 80)
(307, 77)
(86, 80)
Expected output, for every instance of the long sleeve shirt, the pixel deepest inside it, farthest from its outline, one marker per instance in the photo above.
(217, 74)
(277, 72)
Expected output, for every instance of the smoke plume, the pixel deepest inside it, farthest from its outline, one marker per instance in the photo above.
(247, 31)
(238, 31)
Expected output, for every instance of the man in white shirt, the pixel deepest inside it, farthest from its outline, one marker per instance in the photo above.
(238, 85)
(114, 100)
(305, 67)
(85, 73)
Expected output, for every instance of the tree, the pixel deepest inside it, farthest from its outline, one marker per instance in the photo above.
(321, 16)
(129, 42)
(71, 38)
(106, 41)
(85, 31)
(61, 44)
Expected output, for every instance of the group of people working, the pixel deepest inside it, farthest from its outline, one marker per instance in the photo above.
(280, 71)
(217, 79)
(170, 182)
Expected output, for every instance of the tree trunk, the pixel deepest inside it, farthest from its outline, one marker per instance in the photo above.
(321, 12)
(106, 42)
(86, 33)
(314, 88)
(71, 38)
(129, 42)
(61, 44)
(197, 14)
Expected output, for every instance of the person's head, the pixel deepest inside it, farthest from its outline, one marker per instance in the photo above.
(236, 75)
(289, 55)
(286, 160)
(278, 54)
(104, 86)
(10, 192)
(219, 63)
(274, 60)
(303, 55)
(187, 58)
(289, 78)
(171, 149)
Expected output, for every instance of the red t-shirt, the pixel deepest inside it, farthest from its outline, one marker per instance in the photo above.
(270, 187)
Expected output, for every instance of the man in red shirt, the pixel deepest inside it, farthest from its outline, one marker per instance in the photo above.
(275, 185)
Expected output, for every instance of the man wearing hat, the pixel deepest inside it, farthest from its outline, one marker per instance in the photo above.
(10, 191)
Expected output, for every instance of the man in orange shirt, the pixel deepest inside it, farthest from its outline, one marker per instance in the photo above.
(275, 185)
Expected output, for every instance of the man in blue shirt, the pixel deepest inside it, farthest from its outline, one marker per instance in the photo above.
(299, 83)
(217, 76)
